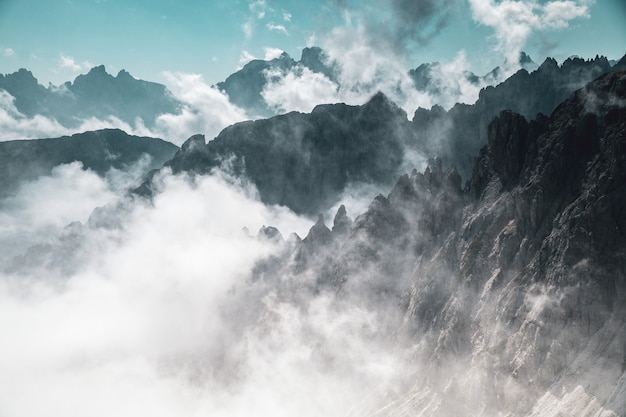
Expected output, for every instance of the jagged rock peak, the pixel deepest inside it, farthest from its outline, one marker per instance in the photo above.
(319, 233)
(269, 233)
(342, 222)
(100, 69)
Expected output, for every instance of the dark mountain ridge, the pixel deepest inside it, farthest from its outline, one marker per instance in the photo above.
(305, 161)
(25, 160)
(457, 135)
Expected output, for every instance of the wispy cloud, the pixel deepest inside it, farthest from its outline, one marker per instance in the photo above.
(8, 52)
(286, 16)
(277, 28)
(71, 64)
(272, 53)
(248, 29)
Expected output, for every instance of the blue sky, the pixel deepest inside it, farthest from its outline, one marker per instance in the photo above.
(58, 39)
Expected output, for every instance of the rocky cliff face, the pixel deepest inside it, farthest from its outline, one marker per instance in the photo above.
(458, 134)
(510, 291)
(305, 161)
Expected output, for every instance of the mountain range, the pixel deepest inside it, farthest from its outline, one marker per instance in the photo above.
(511, 289)
(497, 269)
(306, 161)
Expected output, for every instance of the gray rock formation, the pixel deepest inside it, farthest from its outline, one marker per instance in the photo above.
(510, 291)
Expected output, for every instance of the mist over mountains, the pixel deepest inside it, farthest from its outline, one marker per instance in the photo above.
(468, 261)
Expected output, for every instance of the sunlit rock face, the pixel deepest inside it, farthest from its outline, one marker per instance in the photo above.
(509, 291)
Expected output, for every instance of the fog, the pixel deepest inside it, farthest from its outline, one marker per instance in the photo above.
(151, 308)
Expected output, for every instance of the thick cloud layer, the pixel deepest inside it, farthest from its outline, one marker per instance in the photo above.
(158, 315)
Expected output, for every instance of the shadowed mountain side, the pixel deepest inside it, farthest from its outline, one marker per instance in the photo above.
(24, 160)
(458, 134)
(305, 161)
(511, 291)
(95, 94)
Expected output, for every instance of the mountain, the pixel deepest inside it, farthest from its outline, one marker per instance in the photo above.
(95, 94)
(457, 135)
(305, 161)
(25, 160)
(509, 292)
(430, 77)
(245, 86)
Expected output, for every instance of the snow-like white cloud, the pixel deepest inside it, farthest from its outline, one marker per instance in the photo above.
(161, 316)
(277, 28)
(271, 53)
(513, 21)
(67, 62)
(299, 90)
(8, 52)
(205, 109)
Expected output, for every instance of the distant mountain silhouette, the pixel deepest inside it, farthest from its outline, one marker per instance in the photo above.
(25, 160)
(244, 87)
(95, 94)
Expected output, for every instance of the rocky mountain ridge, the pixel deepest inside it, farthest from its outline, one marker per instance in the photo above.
(306, 161)
(510, 290)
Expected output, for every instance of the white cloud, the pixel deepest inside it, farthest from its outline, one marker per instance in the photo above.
(513, 21)
(248, 29)
(286, 16)
(272, 53)
(299, 90)
(69, 63)
(161, 318)
(259, 8)
(277, 28)
(206, 110)
(8, 52)
(244, 58)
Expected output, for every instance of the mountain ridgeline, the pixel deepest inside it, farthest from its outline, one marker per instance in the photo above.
(511, 290)
(99, 151)
(306, 161)
(96, 94)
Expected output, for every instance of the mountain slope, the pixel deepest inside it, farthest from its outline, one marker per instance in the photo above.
(509, 293)
(24, 160)
(457, 135)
